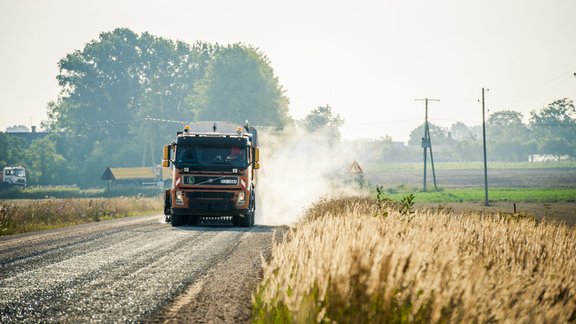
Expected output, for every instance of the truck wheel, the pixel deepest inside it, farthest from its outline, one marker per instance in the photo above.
(178, 220)
(245, 221)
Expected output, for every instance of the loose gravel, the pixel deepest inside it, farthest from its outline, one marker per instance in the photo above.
(131, 270)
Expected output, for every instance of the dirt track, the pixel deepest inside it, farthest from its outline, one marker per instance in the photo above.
(131, 270)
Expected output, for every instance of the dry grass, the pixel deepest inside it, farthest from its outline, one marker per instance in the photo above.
(347, 262)
(19, 216)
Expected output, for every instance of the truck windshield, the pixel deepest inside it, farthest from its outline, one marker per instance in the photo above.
(19, 172)
(210, 157)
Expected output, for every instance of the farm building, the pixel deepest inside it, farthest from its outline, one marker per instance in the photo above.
(138, 176)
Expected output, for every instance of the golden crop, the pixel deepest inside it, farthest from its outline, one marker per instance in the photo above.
(352, 260)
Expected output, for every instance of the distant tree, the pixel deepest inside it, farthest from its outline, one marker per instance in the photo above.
(554, 128)
(467, 150)
(240, 85)
(460, 132)
(505, 118)
(438, 135)
(46, 166)
(507, 137)
(17, 129)
(322, 117)
(11, 150)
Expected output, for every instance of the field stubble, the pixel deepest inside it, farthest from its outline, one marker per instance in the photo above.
(353, 260)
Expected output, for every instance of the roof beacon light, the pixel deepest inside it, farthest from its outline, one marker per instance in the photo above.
(186, 128)
(239, 130)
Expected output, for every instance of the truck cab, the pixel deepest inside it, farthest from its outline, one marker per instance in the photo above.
(14, 176)
(214, 166)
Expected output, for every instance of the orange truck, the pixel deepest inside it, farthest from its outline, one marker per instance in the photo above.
(214, 166)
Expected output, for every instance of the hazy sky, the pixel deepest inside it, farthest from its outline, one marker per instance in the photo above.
(368, 60)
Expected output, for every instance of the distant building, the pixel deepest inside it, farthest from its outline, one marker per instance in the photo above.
(29, 137)
(548, 158)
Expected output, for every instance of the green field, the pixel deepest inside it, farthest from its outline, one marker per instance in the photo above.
(497, 194)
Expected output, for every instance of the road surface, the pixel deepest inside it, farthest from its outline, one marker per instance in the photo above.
(133, 269)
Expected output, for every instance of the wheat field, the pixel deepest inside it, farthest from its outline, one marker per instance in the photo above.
(354, 260)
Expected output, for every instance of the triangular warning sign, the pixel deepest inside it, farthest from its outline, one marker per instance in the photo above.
(355, 168)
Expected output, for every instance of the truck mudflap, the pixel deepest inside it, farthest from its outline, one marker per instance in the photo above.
(167, 205)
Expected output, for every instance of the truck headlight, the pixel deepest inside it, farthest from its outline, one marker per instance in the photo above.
(179, 200)
(241, 198)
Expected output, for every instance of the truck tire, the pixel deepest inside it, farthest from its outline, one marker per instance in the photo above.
(178, 220)
(245, 220)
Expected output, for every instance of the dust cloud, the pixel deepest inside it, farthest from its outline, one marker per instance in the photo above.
(296, 169)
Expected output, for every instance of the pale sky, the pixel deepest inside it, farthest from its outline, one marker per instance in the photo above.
(368, 60)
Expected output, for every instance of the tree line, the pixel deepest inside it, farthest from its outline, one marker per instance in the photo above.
(549, 132)
(125, 94)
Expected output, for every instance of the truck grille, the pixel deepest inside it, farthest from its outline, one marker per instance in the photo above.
(209, 195)
(211, 180)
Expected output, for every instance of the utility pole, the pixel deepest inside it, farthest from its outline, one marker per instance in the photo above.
(484, 143)
(427, 144)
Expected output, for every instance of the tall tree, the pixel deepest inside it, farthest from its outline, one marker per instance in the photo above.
(11, 150)
(100, 86)
(46, 165)
(123, 89)
(507, 136)
(240, 85)
(322, 117)
(555, 128)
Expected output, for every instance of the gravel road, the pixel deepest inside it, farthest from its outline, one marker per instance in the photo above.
(136, 269)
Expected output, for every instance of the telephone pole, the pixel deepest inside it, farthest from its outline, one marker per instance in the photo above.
(484, 144)
(427, 144)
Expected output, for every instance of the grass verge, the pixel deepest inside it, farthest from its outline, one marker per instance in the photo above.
(358, 260)
(542, 195)
(19, 216)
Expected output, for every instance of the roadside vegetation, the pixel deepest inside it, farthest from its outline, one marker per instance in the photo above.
(41, 192)
(373, 260)
(19, 216)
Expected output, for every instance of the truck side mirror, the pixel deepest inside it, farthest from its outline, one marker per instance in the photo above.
(256, 165)
(256, 155)
(166, 156)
